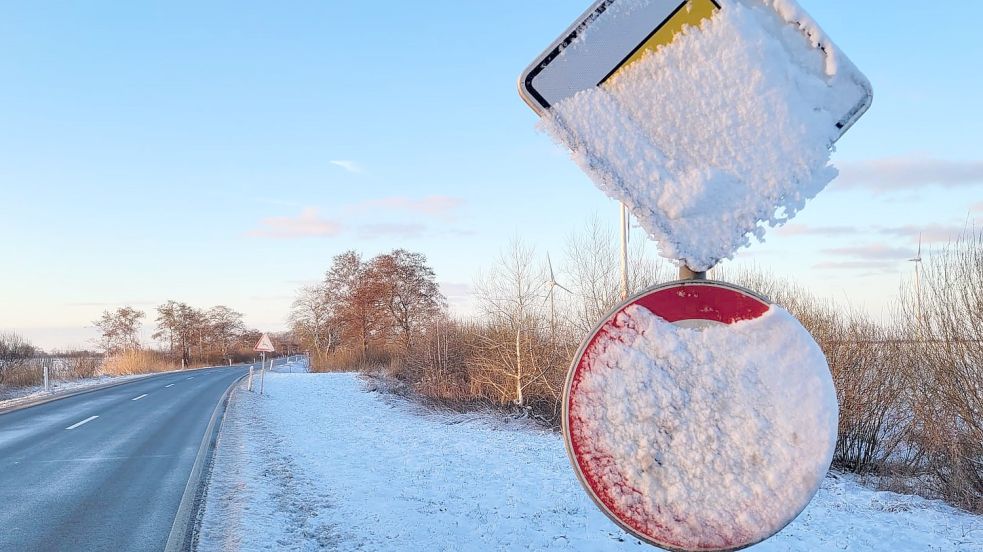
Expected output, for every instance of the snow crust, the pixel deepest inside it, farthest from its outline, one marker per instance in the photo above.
(318, 463)
(704, 439)
(726, 130)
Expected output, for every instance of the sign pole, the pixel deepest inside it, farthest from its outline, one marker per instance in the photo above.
(262, 373)
(624, 252)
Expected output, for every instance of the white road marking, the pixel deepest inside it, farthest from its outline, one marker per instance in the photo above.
(138, 398)
(171, 385)
(190, 377)
(101, 459)
(85, 421)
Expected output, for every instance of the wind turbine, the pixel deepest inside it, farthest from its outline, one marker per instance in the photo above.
(917, 259)
(551, 292)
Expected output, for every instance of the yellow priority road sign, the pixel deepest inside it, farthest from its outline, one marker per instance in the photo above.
(600, 43)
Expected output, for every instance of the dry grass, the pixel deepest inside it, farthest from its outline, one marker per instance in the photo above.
(26, 374)
(137, 362)
(351, 360)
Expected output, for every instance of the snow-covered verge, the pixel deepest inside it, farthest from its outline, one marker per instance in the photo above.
(319, 463)
(16, 396)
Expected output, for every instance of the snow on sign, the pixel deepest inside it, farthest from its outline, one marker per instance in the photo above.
(700, 417)
(264, 345)
(709, 119)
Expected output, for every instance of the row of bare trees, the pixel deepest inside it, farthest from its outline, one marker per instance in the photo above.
(189, 335)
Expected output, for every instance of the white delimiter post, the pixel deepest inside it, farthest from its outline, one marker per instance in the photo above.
(262, 373)
(44, 364)
(624, 252)
(249, 387)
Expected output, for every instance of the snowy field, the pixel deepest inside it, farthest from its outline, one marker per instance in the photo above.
(319, 463)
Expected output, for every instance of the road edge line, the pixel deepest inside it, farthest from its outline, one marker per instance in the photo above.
(185, 526)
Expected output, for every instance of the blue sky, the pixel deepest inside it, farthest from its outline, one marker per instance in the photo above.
(223, 153)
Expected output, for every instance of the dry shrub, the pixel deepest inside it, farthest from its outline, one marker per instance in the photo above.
(26, 373)
(465, 364)
(15, 353)
(437, 365)
(944, 325)
(82, 367)
(374, 360)
(137, 362)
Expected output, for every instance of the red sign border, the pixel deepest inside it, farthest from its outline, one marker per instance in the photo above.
(672, 302)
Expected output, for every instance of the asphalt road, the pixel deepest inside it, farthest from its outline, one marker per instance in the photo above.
(104, 470)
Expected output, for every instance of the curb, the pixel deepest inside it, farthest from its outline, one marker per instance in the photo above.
(183, 530)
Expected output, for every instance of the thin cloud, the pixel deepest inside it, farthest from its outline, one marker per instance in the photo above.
(807, 230)
(350, 166)
(871, 252)
(437, 206)
(928, 233)
(308, 224)
(977, 208)
(386, 230)
(874, 265)
(908, 173)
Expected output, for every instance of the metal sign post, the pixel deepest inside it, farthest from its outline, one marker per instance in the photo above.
(262, 374)
(264, 345)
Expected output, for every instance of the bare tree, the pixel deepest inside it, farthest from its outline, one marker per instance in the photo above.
(225, 327)
(311, 319)
(408, 291)
(120, 329)
(181, 326)
(593, 267)
(511, 298)
(355, 299)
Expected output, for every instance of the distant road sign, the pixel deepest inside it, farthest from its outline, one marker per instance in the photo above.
(264, 345)
(599, 44)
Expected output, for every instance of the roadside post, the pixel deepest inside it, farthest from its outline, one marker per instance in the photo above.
(44, 364)
(249, 386)
(263, 346)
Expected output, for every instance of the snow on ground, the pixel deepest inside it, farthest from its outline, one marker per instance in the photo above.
(16, 396)
(318, 463)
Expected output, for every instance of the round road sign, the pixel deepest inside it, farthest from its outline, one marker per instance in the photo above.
(693, 432)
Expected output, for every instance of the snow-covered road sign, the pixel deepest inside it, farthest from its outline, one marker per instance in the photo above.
(699, 417)
(600, 43)
(264, 345)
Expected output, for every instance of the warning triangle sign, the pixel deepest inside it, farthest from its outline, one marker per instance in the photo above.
(264, 345)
